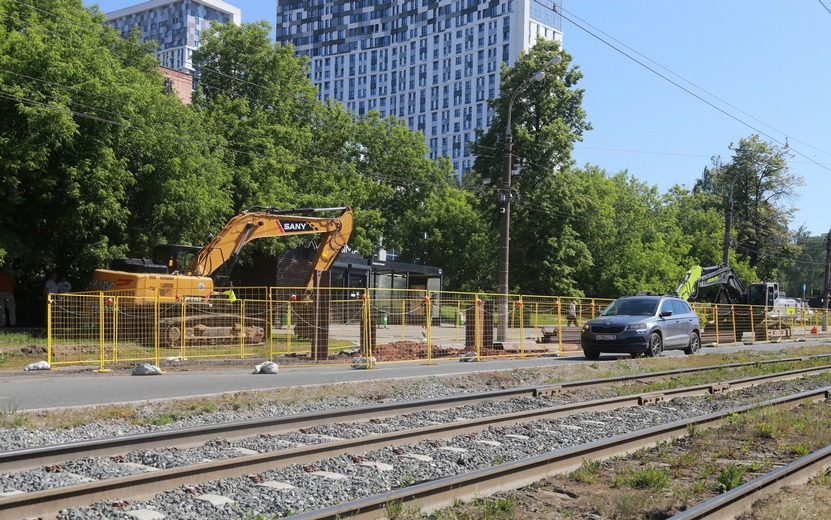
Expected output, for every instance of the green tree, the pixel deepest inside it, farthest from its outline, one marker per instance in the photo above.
(807, 269)
(394, 160)
(446, 230)
(94, 159)
(763, 191)
(256, 95)
(546, 243)
(634, 242)
(547, 118)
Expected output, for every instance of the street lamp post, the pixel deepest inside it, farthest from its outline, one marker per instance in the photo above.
(505, 207)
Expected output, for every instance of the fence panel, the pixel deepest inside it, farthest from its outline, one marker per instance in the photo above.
(404, 322)
(300, 325)
(76, 330)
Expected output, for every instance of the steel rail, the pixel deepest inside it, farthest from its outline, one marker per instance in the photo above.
(604, 381)
(730, 504)
(145, 485)
(431, 496)
(30, 458)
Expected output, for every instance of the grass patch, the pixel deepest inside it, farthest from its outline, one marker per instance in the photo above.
(11, 418)
(18, 349)
(587, 473)
(651, 478)
(164, 419)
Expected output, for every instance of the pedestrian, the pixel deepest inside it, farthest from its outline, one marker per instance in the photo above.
(64, 286)
(51, 285)
(7, 284)
(572, 313)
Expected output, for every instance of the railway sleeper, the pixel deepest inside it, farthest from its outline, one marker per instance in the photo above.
(548, 391)
(651, 399)
(720, 388)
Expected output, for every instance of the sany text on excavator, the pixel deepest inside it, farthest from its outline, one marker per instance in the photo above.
(190, 273)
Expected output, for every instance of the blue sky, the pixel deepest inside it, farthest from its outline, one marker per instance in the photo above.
(759, 67)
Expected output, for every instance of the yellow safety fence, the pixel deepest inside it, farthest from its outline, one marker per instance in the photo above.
(241, 325)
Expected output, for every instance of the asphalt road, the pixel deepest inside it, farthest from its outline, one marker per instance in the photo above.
(62, 387)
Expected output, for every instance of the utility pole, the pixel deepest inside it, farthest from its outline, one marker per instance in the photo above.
(826, 284)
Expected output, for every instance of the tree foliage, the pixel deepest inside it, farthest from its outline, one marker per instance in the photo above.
(806, 275)
(763, 191)
(257, 97)
(97, 161)
(547, 118)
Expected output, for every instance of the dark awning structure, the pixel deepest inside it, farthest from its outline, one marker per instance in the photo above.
(353, 270)
(349, 270)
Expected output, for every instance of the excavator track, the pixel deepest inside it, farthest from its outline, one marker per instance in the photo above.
(211, 330)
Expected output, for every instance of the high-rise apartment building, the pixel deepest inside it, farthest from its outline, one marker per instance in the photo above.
(432, 63)
(176, 25)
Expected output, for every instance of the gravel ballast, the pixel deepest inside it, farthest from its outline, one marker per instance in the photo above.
(391, 467)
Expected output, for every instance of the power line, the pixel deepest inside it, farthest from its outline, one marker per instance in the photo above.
(775, 256)
(694, 85)
(691, 93)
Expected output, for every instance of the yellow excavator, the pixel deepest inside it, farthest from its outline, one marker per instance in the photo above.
(189, 273)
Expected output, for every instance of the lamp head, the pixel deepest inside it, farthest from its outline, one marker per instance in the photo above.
(553, 61)
(541, 74)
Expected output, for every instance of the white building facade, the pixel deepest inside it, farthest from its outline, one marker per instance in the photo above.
(176, 26)
(431, 63)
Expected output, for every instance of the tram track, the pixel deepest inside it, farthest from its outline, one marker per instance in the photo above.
(736, 501)
(28, 458)
(144, 485)
(434, 495)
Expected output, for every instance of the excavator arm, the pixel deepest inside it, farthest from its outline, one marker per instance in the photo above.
(730, 287)
(260, 222)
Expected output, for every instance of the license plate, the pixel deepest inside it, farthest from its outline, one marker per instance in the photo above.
(605, 337)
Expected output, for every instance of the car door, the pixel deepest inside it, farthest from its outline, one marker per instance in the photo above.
(686, 321)
(670, 324)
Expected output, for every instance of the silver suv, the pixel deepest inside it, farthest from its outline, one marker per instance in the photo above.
(638, 325)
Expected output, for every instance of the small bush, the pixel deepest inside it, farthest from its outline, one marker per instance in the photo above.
(650, 478)
(730, 477)
(801, 449)
(764, 430)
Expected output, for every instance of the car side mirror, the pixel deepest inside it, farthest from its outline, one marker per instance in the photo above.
(666, 313)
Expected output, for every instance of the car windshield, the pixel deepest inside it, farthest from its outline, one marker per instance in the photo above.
(631, 307)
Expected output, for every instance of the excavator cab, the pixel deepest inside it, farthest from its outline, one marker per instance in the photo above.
(176, 258)
(763, 293)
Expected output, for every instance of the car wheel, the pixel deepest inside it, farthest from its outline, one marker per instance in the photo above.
(695, 344)
(655, 346)
(591, 354)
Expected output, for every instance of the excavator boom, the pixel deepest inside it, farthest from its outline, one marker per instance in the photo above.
(259, 222)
